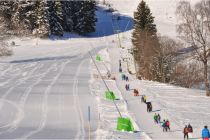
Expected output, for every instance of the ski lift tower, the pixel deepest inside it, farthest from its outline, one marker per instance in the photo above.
(118, 36)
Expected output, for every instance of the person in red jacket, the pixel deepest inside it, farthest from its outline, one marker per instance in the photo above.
(186, 131)
(168, 124)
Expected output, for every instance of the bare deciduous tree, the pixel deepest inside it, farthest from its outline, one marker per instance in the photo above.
(194, 28)
(187, 75)
(165, 62)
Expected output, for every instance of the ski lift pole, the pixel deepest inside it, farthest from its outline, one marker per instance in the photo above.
(118, 36)
(89, 121)
(104, 83)
(126, 59)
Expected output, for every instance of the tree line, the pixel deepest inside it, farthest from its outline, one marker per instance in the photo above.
(157, 57)
(45, 18)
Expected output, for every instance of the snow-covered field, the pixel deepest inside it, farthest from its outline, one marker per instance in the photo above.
(45, 91)
(47, 85)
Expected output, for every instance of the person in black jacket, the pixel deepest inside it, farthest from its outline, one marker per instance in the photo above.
(190, 130)
(149, 106)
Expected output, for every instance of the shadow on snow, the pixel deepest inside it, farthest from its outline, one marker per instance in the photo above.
(108, 23)
(42, 59)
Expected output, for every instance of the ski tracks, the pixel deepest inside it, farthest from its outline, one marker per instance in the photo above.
(81, 129)
(44, 107)
(20, 114)
(20, 82)
(23, 99)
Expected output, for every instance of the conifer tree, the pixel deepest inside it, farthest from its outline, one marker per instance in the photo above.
(54, 20)
(89, 18)
(79, 23)
(42, 23)
(144, 39)
(84, 20)
(7, 10)
(68, 14)
(24, 16)
(48, 17)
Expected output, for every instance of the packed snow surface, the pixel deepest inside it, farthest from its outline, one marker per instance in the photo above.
(47, 85)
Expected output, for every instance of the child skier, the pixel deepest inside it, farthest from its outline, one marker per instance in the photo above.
(164, 126)
(155, 118)
(159, 118)
(168, 124)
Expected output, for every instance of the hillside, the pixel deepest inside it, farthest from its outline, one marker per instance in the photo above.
(51, 88)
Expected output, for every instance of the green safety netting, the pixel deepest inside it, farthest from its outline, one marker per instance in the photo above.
(110, 95)
(124, 124)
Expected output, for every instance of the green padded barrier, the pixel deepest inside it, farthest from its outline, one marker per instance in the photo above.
(110, 95)
(124, 124)
(98, 57)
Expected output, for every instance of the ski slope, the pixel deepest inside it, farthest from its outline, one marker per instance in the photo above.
(47, 85)
(181, 106)
(45, 91)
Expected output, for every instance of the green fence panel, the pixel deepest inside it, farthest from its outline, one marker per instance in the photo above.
(124, 124)
(98, 58)
(110, 95)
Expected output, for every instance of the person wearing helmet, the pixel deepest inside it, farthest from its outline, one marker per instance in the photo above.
(205, 133)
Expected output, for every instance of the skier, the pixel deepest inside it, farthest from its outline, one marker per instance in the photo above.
(155, 118)
(120, 69)
(142, 98)
(150, 107)
(145, 99)
(164, 126)
(120, 63)
(159, 118)
(168, 124)
(136, 92)
(122, 76)
(128, 86)
(190, 129)
(186, 131)
(126, 78)
(205, 133)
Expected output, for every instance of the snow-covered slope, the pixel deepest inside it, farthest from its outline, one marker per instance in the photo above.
(181, 106)
(162, 10)
(45, 85)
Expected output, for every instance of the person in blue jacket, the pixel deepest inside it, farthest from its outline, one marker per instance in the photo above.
(205, 133)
